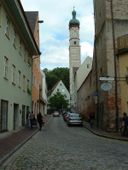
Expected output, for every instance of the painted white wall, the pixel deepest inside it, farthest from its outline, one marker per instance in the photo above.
(19, 57)
(44, 93)
(83, 71)
(60, 87)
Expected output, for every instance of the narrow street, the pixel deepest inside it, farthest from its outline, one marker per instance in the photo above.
(59, 147)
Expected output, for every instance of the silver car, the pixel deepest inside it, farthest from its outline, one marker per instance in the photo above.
(74, 119)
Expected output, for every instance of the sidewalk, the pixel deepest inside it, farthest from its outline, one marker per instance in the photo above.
(111, 135)
(10, 142)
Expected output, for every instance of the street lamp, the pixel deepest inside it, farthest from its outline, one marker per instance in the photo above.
(115, 67)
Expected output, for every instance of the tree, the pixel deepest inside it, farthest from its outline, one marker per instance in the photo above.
(53, 76)
(58, 101)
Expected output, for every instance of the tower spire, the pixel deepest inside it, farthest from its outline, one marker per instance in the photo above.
(74, 21)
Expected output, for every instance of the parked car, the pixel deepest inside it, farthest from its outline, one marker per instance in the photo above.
(65, 116)
(74, 119)
(56, 114)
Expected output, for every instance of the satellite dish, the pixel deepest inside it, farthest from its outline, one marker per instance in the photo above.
(106, 86)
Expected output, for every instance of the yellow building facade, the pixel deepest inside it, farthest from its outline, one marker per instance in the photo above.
(123, 71)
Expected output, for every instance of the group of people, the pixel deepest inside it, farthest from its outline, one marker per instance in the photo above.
(31, 120)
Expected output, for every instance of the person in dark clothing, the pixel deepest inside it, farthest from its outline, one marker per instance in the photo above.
(31, 117)
(125, 120)
(40, 120)
(91, 119)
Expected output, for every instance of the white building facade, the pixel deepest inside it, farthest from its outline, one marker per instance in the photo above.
(17, 46)
(43, 105)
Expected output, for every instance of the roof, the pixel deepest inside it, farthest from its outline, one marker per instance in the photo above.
(32, 17)
(74, 21)
(54, 87)
(19, 19)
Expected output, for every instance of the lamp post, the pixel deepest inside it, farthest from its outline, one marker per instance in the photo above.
(115, 67)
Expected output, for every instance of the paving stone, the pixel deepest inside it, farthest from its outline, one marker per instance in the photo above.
(59, 147)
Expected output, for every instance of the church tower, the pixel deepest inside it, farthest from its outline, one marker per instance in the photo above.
(74, 55)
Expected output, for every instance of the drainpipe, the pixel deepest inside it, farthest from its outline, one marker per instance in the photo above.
(115, 68)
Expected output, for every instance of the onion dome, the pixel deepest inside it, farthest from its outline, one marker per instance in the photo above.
(74, 21)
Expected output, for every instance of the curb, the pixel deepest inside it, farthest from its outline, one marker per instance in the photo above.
(16, 148)
(105, 136)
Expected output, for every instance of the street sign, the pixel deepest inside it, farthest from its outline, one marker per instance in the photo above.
(106, 86)
(107, 78)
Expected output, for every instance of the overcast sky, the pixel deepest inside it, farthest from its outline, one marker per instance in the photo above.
(54, 32)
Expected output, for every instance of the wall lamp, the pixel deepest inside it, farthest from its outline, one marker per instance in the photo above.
(40, 21)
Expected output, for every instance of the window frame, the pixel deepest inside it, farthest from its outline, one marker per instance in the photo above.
(6, 63)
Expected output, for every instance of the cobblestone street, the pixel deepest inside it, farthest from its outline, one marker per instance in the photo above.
(59, 147)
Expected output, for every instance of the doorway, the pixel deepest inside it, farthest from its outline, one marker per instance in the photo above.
(4, 116)
(23, 115)
(16, 116)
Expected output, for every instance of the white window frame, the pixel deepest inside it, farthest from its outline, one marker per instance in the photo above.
(13, 74)
(14, 40)
(7, 33)
(5, 67)
(19, 79)
(24, 83)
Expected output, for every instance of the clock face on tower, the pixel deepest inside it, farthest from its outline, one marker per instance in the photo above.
(74, 33)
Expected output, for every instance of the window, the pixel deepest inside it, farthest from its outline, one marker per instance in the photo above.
(19, 78)
(25, 56)
(7, 27)
(4, 116)
(0, 16)
(14, 40)
(29, 61)
(63, 90)
(20, 47)
(88, 65)
(27, 84)
(13, 74)
(75, 42)
(5, 67)
(24, 83)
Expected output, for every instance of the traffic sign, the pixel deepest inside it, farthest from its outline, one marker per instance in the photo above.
(107, 78)
(106, 86)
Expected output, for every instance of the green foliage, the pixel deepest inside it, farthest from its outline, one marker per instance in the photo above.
(53, 76)
(58, 101)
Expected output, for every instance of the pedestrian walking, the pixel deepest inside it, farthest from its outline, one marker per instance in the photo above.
(31, 118)
(125, 124)
(27, 119)
(40, 120)
(91, 119)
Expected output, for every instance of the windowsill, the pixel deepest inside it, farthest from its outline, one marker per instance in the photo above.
(14, 83)
(14, 46)
(5, 78)
(7, 36)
